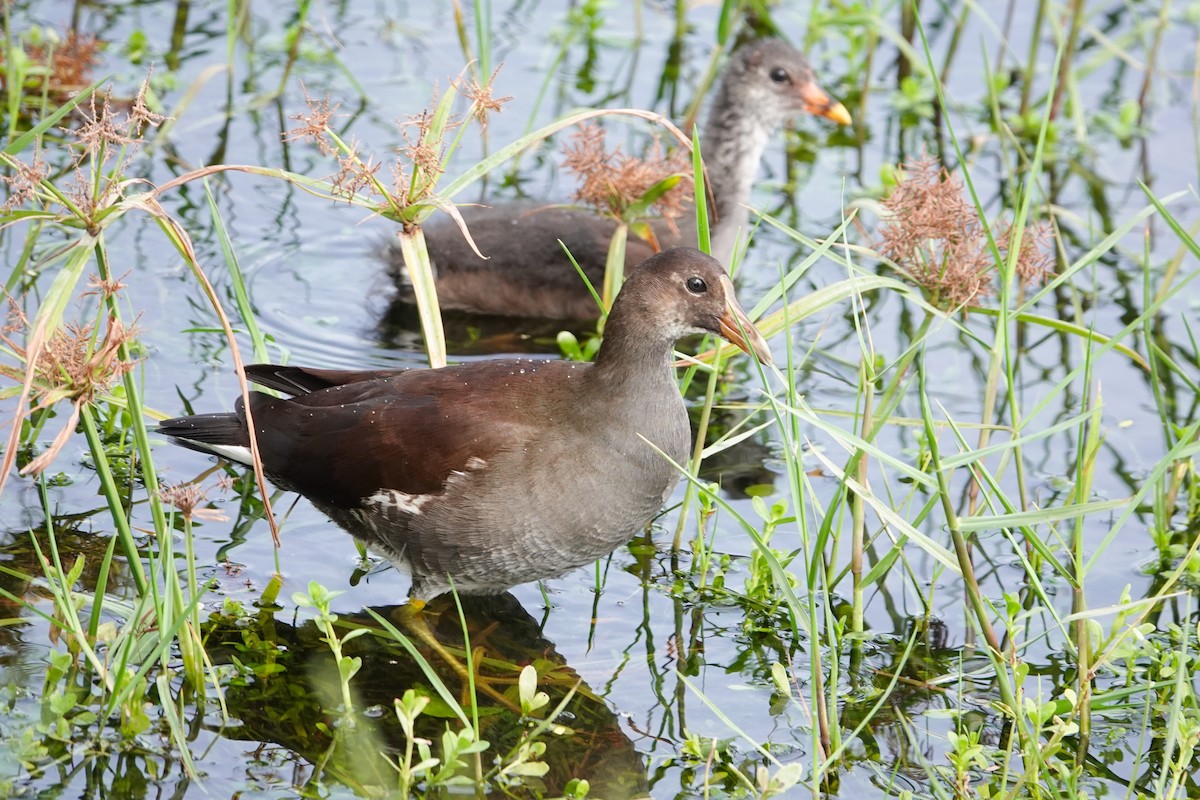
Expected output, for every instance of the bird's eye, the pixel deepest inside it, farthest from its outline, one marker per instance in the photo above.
(697, 285)
(780, 75)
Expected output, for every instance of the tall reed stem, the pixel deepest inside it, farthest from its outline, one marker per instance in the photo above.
(420, 270)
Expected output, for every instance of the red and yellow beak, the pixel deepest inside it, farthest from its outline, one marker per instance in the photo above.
(739, 330)
(817, 102)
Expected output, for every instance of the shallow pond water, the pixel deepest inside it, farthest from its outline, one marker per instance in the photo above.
(660, 654)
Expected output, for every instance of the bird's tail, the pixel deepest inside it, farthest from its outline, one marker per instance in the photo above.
(221, 435)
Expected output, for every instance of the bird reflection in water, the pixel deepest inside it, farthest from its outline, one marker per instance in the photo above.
(290, 688)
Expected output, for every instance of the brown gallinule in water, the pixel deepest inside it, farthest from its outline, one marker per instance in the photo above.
(494, 473)
(526, 273)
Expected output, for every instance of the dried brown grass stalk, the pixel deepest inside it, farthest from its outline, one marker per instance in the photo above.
(183, 243)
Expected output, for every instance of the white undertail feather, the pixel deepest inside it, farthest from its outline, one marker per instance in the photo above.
(239, 454)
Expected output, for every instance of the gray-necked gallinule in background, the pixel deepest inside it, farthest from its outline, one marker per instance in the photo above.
(494, 473)
(526, 273)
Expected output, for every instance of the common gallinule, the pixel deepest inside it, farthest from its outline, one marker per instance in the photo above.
(494, 473)
(526, 273)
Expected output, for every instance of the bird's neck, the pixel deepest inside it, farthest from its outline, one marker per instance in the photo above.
(632, 386)
(633, 364)
(733, 145)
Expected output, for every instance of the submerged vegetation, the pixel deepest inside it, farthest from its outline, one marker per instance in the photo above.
(948, 549)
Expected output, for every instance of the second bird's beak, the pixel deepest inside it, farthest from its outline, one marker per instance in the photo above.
(817, 102)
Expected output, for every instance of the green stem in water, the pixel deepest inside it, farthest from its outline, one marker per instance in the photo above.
(420, 270)
(116, 509)
(857, 504)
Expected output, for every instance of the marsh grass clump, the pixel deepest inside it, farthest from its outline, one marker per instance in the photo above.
(940, 242)
(52, 358)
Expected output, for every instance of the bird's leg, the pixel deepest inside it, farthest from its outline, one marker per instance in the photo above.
(411, 616)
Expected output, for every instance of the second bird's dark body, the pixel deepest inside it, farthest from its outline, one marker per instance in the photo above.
(524, 272)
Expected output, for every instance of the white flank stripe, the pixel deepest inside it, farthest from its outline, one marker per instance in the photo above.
(400, 501)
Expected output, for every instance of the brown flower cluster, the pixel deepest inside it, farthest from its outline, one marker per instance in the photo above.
(1034, 262)
(23, 183)
(612, 181)
(415, 173)
(314, 126)
(356, 174)
(190, 498)
(105, 288)
(63, 67)
(101, 131)
(424, 152)
(102, 134)
(483, 100)
(74, 365)
(140, 116)
(938, 239)
(102, 126)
